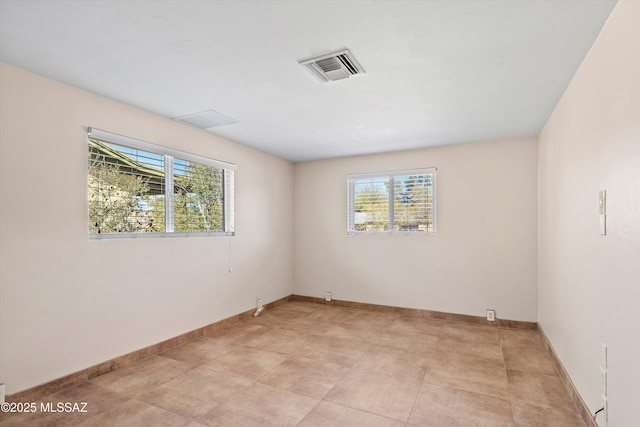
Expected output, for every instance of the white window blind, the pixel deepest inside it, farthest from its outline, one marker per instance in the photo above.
(392, 202)
(136, 188)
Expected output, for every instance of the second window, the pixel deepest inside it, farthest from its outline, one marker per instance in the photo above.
(388, 202)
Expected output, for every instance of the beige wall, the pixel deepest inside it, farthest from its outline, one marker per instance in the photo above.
(67, 303)
(484, 253)
(589, 285)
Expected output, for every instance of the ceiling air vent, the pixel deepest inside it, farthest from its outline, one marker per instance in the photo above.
(206, 119)
(333, 66)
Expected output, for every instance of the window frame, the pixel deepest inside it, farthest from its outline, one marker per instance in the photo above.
(352, 178)
(169, 155)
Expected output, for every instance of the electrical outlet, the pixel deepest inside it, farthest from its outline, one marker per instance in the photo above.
(601, 416)
(327, 296)
(603, 381)
(258, 303)
(491, 315)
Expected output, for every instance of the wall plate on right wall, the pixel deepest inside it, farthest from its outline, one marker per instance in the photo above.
(602, 209)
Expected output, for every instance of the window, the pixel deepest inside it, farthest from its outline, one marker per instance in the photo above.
(392, 202)
(136, 188)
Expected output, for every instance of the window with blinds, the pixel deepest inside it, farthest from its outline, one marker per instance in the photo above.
(392, 202)
(140, 189)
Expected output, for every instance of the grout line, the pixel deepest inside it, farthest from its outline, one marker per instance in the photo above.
(415, 400)
(506, 373)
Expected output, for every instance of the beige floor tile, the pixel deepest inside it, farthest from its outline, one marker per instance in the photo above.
(331, 415)
(135, 413)
(441, 406)
(490, 350)
(536, 416)
(337, 350)
(15, 419)
(178, 402)
(416, 343)
(268, 320)
(468, 372)
(260, 405)
(91, 400)
(380, 394)
(332, 315)
(354, 335)
(247, 362)
(410, 343)
(416, 325)
(299, 308)
(307, 325)
(527, 358)
(309, 377)
(471, 332)
(285, 341)
(142, 375)
(538, 389)
(371, 320)
(394, 362)
(199, 351)
(195, 392)
(238, 334)
(519, 338)
(276, 314)
(45, 419)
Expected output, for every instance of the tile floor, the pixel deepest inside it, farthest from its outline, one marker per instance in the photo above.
(305, 364)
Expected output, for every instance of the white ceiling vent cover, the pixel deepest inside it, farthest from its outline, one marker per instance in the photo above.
(333, 66)
(206, 119)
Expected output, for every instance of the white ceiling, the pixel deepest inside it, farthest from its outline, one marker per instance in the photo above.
(437, 72)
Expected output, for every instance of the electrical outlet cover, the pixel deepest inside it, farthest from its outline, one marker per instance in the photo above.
(605, 405)
(603, 381)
